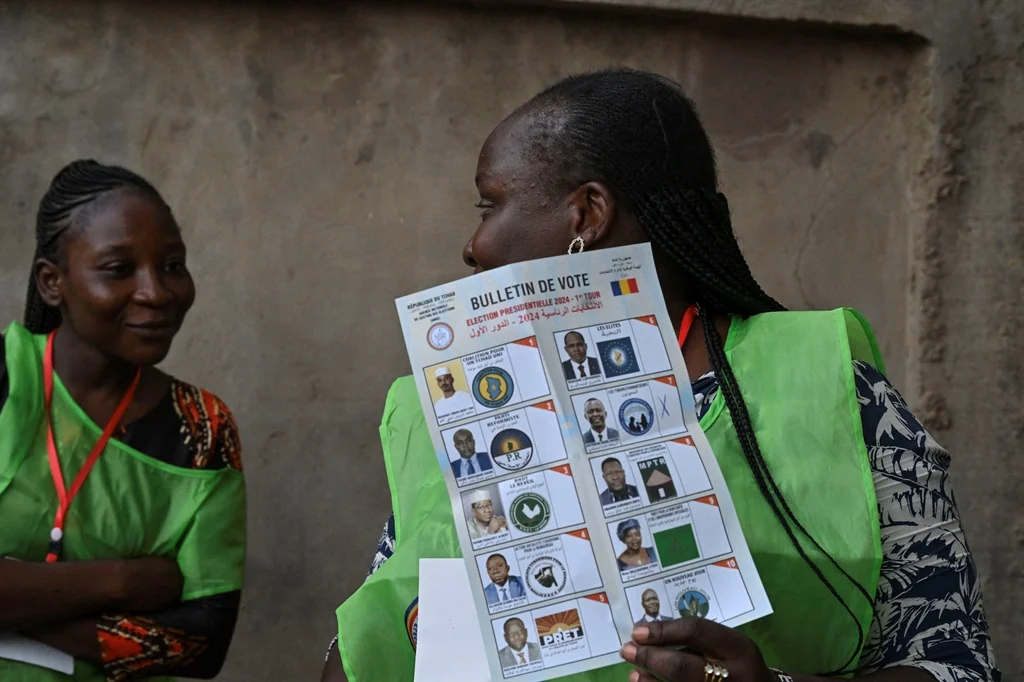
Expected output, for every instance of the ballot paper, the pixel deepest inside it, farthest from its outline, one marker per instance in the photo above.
(447, 625)
(586, 496)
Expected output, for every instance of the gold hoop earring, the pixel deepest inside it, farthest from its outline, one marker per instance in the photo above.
(578, 242)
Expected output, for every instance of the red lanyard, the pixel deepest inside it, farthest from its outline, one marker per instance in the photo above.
(66, 497)
(684, 329)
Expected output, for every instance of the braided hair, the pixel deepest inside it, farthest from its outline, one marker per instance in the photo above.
(638, 133)
(76, 186)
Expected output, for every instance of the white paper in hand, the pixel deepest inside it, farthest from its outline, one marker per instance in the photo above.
(449, 646)
(14, 647)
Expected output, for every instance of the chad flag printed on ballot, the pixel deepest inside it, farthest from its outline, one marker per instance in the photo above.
(622, 287)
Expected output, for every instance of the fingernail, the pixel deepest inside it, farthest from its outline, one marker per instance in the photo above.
(634, 676)
(641, 633)
(629, 652)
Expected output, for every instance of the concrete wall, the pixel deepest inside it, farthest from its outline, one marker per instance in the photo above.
(321, 162)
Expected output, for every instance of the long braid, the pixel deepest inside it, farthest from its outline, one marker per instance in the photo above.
(638, 133)
(75, 186)
(767, 485)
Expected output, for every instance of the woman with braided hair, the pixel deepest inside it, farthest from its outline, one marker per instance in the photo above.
(122, 503)
(843, 496)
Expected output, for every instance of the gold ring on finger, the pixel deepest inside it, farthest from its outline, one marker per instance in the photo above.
(714, 671)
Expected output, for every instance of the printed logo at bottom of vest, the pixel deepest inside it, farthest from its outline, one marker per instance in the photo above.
(530, 512)
(545, 576)
(694, 602)
(560, 629)
(412, 619)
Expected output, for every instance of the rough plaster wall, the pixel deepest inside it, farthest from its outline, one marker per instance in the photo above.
(969, 289)
(314, 154)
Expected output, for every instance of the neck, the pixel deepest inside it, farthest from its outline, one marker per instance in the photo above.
(695, 350)
(85, 369)
(678, 297)
(468, 456)
(449, 394)
(597, 429)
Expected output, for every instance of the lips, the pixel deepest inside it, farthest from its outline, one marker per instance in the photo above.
(154, 329)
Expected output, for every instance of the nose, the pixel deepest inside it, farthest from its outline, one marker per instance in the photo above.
(150, 290)
(467, 254)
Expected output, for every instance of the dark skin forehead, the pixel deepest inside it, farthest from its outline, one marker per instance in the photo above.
(119, 221)
(508, 164)
(513, 622)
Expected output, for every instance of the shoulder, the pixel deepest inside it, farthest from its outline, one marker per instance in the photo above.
(886, 418)
(209, 423)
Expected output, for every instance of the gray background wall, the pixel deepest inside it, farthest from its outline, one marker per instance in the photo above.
(321, 158)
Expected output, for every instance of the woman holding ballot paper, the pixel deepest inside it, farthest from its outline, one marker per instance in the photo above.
(122, 503)
(843, 496)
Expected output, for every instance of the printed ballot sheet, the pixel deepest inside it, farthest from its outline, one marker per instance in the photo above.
(585, 494)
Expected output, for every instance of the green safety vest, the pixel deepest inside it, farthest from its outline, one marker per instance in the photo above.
(795, 370)
(130, 506)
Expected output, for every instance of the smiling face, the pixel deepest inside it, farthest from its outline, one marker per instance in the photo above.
(595, 413)
(121, 282)
(633, 539)
(515, 633)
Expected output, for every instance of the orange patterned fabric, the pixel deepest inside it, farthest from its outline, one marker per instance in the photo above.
(134, 647)
(207, 427)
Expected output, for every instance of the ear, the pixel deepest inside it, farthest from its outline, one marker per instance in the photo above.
(594, 211)
(49, 282)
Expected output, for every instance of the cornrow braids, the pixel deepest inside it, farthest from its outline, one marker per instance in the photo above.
(639, 134)
(76, 186)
